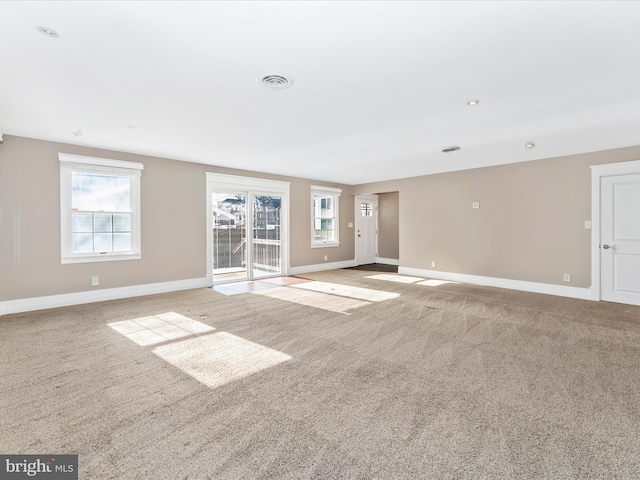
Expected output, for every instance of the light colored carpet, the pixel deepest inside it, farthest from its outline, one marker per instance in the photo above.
(361, 376)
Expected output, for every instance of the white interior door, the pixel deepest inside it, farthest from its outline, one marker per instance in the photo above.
(620, 238)
(366, 229)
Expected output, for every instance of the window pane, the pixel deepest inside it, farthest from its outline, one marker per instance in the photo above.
(100, 192)
(366, 209)
(229, 235)
(327, 226)
(102, 223)
(323, 206)
(327, 208)
(82, 242)
(122, 223)
(82, 222)
(324, 231)
(102, 242)
(121, 242)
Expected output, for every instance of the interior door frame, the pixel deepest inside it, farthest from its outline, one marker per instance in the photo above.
(251, 186)
(597, 173)
(358, 198)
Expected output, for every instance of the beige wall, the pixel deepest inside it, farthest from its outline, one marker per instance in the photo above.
(173, 223)
(530, 224)
(389, 225)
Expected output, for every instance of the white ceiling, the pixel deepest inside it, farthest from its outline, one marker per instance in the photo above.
(379, 87)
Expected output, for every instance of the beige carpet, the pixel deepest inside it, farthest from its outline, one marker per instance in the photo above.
(356, 375)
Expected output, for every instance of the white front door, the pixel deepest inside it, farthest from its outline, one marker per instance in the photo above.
(366, 229)
(620, 238)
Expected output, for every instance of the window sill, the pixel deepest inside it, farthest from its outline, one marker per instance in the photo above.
(101, 258)
(325, 245)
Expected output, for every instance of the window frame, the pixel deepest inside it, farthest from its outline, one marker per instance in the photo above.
(326, 192)
(78, 163)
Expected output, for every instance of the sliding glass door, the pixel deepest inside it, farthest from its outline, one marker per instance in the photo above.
(247, 236)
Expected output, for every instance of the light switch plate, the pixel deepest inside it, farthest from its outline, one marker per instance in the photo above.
(475, 205)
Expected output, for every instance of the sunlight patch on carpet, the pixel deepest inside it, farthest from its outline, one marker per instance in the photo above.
(217, 359)
(309, 298)
(159, 328)
(394, 278)
(358, 293)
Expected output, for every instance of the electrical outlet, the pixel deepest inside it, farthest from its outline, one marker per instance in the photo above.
(95, 281)
(433, 264)
(587, 224)
(566, 277)
(326, 257)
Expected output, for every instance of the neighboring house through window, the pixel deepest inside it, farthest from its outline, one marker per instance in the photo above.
(99, 209)
(325, 208)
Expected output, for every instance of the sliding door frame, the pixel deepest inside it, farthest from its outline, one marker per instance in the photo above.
(218, 182)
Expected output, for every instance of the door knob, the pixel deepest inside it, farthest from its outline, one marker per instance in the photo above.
(607, 247)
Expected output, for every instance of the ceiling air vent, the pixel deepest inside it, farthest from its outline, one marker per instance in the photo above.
(450, 149)
(275, 81)
(49, 32)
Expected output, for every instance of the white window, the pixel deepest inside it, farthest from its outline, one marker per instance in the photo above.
(99, 209)
(325, 208)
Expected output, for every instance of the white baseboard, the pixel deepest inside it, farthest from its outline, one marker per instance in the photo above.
(534, 287)
(388, 261)
(321, 266)
(66, 299)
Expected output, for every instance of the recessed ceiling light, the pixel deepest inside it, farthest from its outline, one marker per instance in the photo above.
(275, 81)
(450, 149)
(473, 102)
(49, 32)
(529, 145)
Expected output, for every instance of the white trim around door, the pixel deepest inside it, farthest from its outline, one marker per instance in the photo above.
(598, 172)
(366, 231)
